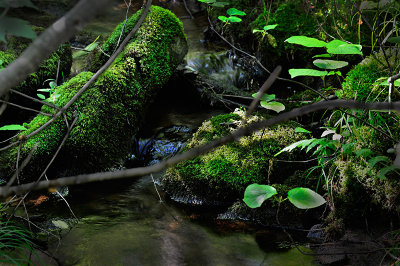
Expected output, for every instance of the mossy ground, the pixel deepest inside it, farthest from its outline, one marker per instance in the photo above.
(111, 110)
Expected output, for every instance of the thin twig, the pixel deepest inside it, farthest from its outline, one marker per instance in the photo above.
(155, 187)
(34, 99)
(25, 108)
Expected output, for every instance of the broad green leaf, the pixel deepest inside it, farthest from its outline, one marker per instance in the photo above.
(234, 12)
(16, 27)
(301, 130)
(306, 41)
(386, 83)
(12, 127)
(346, 49)
(60, 224)
(45, 90)
(329, 64)
(394, 39)
(365, 153)
(256, 194)
(296, 72)
(234, 19)
(305, 198)
(41, 96)
(223, 18)
(384, 171)
(207, 1)
(374, 160)
(334, 44)
(270, 27)
(275, 106)
(265, 97)
(322, 55)
(255, 31)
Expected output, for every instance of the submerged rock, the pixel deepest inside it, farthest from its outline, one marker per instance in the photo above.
(111, 110)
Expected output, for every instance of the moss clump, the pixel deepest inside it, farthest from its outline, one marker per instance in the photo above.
(224, 173)
(362, 81)
(111, 110)
(47, 70)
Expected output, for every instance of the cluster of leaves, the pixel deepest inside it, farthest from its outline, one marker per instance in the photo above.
(302, 198)
(335, 47)
(267, 102)
(233, 13)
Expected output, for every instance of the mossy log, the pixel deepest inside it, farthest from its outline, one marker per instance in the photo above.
(111, 110)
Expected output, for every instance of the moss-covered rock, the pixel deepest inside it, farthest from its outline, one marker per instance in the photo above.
(362, 81)
(224, 173)
(111, 110)
(359, 186)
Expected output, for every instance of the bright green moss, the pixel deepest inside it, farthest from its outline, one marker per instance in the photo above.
(111, 110)
(234, 166)
(360, 84)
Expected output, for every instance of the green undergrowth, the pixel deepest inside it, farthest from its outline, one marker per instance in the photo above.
(224, 173)
(111, 110)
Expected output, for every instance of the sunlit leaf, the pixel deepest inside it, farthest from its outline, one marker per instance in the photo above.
(270, 27)
(301, 130)
(234, 19)
(345, 49)
(256, 194)
(275, 106)
(12, 127)
(223, 18)
(322, 55)
(264, 97)
(306, 41)
(41, 96)
(234, 12)
(329, 64)
(295, 72)
(305, 198)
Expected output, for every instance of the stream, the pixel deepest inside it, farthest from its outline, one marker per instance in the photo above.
(124, 223)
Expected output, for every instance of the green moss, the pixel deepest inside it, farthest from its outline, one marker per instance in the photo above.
(111, 110)
(225, 172)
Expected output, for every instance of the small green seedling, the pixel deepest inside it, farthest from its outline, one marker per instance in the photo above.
(267, 103)
(233, 13)
(302, 198)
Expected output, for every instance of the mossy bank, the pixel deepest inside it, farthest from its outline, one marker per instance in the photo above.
(111, 110)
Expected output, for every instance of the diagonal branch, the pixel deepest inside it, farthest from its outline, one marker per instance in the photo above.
(244, 131)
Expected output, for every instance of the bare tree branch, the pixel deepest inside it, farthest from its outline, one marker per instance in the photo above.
(244, 131)
(48, 42)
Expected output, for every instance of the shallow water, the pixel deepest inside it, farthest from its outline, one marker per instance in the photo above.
(131, 227)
